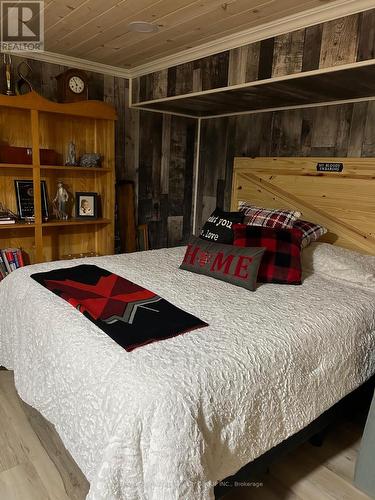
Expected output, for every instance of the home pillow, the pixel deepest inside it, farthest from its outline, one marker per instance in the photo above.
(268, 217)
(235, 265)
(218, 227)
(310, 231)
(281, 262)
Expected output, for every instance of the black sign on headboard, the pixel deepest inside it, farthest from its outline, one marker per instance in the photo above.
(329, 167)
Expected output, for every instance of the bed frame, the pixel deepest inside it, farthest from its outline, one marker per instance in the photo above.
(344, 202)
(358, 400)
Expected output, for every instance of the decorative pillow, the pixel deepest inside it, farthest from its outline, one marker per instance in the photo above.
(235, 265)
(218, 227)
(268, 217)
(281, 262)
(340, 264)
(310, 231)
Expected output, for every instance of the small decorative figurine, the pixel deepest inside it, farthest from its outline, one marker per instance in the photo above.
(7, 60)
(23, 84)
(71, 160)
(60, 201)
(6, 215)
(90, 160)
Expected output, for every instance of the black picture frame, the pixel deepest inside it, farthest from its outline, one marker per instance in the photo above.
(92, 208)
(25, 198)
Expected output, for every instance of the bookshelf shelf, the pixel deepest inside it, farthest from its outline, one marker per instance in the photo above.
(12, 166)
(75, 222)
(17, 226)
(76, 169)
(45, 124)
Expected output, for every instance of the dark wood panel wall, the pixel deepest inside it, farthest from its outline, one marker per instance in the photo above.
(102, 87)
(343, 130)
(156, 152)
(166, 161)
(345, 40)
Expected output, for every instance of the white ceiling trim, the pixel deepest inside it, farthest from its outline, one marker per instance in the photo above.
(75, 62)
(326, 12)
(287, 108)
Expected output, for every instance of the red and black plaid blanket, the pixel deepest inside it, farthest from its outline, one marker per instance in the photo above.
(131, 315)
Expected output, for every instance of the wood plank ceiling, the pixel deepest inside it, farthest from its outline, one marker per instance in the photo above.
(97, 30)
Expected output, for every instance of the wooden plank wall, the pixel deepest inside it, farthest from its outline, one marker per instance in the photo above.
(166, 145)
(102, 87)
(346, 130)
(343, 130)
(156, 152)
(345, 40)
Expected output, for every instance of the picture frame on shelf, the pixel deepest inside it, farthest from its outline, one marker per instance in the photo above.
(25, 199)
(86, 205)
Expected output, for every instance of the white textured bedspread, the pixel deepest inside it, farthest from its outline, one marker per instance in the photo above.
(168, 420)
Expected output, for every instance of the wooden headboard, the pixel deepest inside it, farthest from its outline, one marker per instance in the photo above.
(343, 202)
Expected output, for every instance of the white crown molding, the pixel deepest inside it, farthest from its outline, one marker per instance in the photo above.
(323, 13)
(75, 62)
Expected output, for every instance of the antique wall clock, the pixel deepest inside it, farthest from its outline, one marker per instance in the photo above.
(72, 86)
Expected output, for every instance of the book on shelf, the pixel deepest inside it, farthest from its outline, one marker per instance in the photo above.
(10, 260)
(7, 221)
(6, 216)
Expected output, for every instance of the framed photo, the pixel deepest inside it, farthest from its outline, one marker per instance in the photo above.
(86, 205)
(25, 198)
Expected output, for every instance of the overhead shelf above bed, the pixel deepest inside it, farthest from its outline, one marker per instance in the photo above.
(349, 82)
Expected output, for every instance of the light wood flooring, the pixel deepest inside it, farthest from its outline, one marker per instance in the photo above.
(34, 464)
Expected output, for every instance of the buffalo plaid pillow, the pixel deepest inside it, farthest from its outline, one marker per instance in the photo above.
(310, 231)
(267, 217)
(281, 262)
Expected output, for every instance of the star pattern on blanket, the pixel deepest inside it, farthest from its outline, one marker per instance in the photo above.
(129, 314)
(111, 299)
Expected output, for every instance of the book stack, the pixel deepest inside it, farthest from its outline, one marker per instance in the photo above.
(6, 217)
(10, 260)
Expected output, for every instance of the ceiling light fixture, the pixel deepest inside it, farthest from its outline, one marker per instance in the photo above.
(143, 27)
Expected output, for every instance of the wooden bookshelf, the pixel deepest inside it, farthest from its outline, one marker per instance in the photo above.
(17, 227)
(34, 122)
(75, 222)
(76, 169)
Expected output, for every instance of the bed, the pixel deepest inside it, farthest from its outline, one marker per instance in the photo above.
(171, 419)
